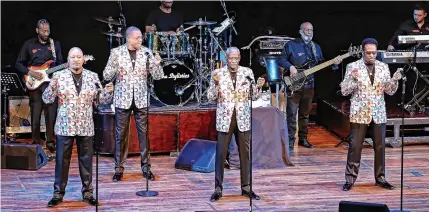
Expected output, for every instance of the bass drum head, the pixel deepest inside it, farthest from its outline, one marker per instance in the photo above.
(178, 79)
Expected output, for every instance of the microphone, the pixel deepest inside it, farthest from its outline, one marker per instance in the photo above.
(250, 79)
(98, 86)
(403, 77)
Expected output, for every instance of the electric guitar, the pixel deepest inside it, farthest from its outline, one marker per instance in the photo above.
(32, 83)
(296, 82)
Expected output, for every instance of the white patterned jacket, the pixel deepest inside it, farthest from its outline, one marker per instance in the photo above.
(367, 101)
(229, 98)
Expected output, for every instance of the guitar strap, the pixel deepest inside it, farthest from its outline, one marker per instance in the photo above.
(313, 49)
(53, 50)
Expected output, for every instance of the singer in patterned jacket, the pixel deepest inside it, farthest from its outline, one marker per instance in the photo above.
(128, 65)
(367, 80)
(230, 86)
(76, 89)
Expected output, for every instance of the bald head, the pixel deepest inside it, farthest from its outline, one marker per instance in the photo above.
(75, 50)
(75, 59)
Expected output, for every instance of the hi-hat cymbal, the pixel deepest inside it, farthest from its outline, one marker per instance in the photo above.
(200, 23)
(108, 20)
(114, 34)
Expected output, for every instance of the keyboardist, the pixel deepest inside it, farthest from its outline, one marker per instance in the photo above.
(416, 26)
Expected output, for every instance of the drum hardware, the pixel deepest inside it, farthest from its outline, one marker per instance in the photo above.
(112, 33)
(109, 20)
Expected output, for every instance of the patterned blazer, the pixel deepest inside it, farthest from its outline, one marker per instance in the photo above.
(229, 98)
(75, 116)
(367, 101)
(130, 82)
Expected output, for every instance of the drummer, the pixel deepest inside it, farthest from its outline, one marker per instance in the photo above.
(164, 19)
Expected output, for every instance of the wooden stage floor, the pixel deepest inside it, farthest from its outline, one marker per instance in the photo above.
(313, 184)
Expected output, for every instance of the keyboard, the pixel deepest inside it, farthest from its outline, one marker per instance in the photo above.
(403, 57)
(413, 39)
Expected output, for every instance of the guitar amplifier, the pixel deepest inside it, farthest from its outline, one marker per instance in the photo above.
(20, 115)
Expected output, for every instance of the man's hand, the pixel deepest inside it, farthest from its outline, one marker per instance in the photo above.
(216, 78)
(337, 60)
(260, 82)
(355, 74)
(36, 75)
(293, 71)
(109, 87)
(157, 59)
(398, 74)
(390, 48)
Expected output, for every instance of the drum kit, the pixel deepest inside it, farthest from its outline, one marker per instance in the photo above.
(187, 61)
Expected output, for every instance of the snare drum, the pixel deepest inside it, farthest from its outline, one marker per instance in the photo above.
(177, 85)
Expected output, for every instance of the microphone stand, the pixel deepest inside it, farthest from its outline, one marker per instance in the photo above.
(147, 193)
(232, 24)
(97, 152)
(404, 79)
(123, 22)
(250, 141)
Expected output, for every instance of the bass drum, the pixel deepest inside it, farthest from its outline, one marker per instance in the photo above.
(177, 86)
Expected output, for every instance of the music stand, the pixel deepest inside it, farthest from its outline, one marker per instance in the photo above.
(10, 85)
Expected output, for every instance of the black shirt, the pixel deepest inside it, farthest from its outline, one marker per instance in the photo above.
(35, 53)
(77, 79)
(133, 56)
(164, 21)
(408, 28)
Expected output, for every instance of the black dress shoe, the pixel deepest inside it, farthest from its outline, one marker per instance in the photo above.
(91, 200)
(215, 196)
(385, 185)
(305, 144)
(149, 175)
(347, 186)
(54, 201)
(117, 176)
(226, 165)
(247, 194)
(51, 146)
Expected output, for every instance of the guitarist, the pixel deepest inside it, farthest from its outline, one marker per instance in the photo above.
(35, 52)
(297, 53)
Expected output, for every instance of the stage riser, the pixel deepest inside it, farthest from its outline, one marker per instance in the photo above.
(168, 131)
(334, 116)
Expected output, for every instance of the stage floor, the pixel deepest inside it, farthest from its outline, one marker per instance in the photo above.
(313, 184)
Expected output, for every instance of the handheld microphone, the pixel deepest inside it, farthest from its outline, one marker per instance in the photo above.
(250, 79)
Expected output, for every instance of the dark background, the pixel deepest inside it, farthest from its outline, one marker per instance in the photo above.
(336, 26)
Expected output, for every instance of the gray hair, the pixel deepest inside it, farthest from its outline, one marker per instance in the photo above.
(301, 27)
(232, 49)
(42, 21)
(131, 29)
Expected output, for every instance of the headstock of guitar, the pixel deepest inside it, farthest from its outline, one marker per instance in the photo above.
(355, 51)
(88, 57)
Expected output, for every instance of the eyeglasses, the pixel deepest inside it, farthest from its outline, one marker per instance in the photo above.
(374, 53)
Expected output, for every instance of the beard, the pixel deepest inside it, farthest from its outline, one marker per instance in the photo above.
(305, 37)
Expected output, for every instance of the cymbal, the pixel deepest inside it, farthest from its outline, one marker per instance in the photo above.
(200, 23)
(114, 34)
(108, 20)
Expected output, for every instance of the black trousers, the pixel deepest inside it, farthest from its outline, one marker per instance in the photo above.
(62, 163)
(50, 110)
(223, 140)
(299, 102)
(122, 121)
(357, 136)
